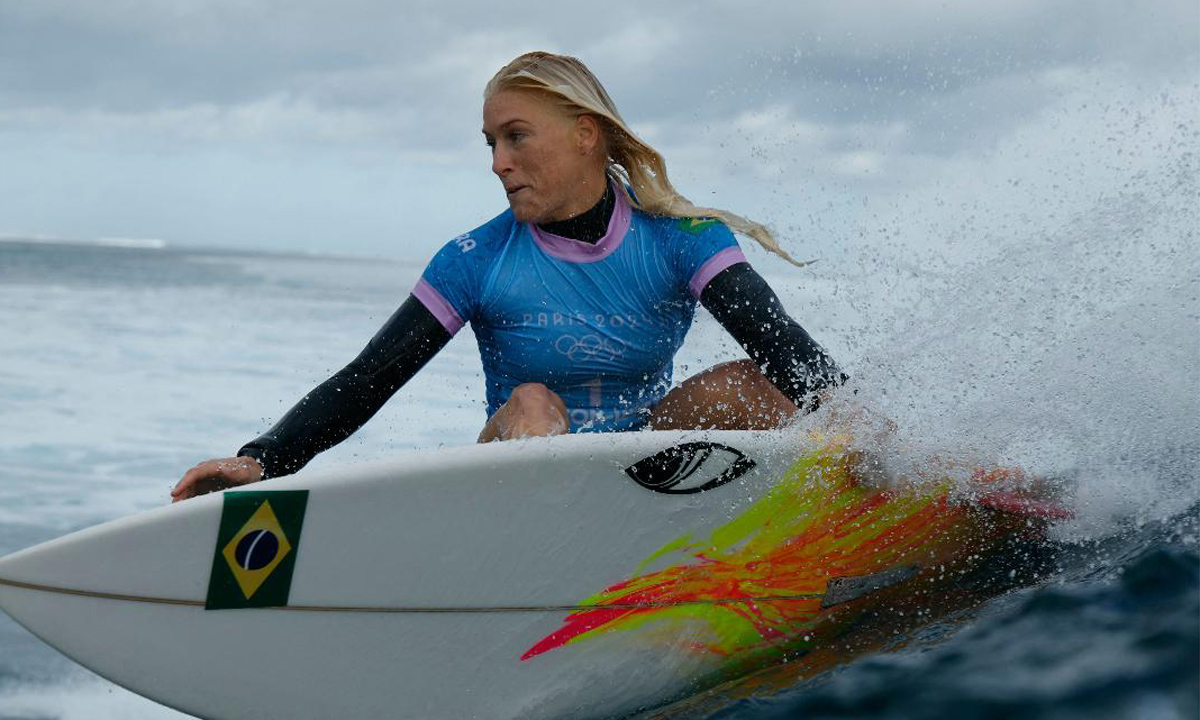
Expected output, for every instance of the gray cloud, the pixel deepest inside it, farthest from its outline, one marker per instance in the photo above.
(848, 96)
(857, 56)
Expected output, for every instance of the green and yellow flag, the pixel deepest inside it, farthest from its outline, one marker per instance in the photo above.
(256, 549)
(695, 226)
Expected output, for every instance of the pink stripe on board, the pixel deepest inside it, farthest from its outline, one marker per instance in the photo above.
(441, 309)
(712, 267)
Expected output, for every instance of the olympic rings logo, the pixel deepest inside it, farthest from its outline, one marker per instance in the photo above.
(589, 347)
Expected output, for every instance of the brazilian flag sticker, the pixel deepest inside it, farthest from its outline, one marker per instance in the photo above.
(256, 549)
(695, 226)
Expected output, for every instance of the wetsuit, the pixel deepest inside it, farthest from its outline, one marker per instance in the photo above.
(594, 308)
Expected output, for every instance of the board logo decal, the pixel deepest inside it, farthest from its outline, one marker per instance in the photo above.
(690, 468)
(845, 589)
(256, 549)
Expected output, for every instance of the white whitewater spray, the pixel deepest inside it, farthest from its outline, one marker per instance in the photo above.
(1067, 346)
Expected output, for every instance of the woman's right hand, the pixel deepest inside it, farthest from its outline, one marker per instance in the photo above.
(212, 475)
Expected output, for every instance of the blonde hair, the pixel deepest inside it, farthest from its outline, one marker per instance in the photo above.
(631, 162)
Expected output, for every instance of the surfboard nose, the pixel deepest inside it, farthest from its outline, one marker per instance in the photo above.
(19, 571)
(7, 566)
(134, 556)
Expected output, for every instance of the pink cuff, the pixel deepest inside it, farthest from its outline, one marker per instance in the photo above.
(712, 267)
(436, 304)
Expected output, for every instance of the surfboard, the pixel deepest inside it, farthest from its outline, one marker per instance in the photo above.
(578, 576)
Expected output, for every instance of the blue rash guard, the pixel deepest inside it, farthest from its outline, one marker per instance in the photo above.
(599, 324)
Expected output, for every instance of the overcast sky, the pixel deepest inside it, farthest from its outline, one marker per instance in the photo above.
(353, 127)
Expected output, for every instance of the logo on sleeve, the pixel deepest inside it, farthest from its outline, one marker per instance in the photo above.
(696, 226)
(465, 242)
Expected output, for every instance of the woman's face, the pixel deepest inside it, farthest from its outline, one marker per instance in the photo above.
(551, 164)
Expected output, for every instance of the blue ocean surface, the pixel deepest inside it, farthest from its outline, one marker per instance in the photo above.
(122, 367)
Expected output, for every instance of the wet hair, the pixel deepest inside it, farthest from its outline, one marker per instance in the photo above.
(632, 163)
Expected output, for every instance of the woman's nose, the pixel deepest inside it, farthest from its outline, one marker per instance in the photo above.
(500, 161)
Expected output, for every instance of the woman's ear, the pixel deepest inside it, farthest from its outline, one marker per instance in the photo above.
(587, 134)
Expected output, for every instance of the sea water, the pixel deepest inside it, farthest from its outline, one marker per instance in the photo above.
(1065, 343)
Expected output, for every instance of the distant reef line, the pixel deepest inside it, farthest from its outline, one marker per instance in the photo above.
(141, 243)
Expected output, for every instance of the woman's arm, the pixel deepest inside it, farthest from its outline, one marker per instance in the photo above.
(338, 407)
(740, 299)
(334, 410)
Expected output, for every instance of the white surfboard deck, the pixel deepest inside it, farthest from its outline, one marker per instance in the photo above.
(418, 585)
(421, 581)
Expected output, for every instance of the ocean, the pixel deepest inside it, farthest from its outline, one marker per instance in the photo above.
(1071, 350)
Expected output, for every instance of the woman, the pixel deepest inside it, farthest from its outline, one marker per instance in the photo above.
(579, 295)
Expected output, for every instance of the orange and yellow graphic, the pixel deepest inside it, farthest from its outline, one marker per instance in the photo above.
(759, 586)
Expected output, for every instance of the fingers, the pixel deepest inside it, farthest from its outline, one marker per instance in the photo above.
(189, 478)
(212, 475)
(190, 485)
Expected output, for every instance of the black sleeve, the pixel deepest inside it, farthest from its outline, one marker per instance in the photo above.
(748, 309)
(338, 407)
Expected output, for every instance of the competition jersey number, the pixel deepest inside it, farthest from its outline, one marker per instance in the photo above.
(594, 396)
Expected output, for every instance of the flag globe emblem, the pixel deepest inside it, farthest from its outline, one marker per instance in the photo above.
(256, 549)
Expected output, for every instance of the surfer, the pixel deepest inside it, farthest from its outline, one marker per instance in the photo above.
(579, 295)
